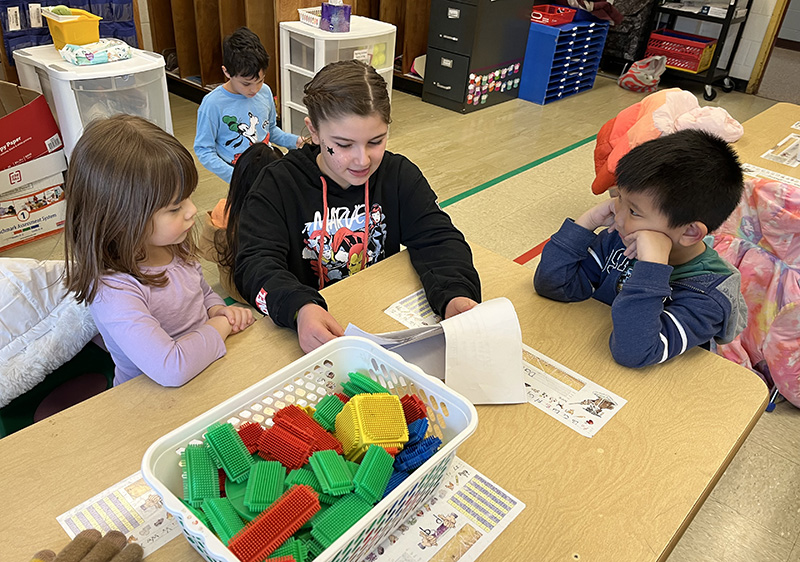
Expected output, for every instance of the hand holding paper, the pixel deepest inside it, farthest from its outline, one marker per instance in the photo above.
(477, 353)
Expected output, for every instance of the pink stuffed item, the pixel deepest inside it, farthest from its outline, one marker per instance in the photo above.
(660, 113)
(762, 239)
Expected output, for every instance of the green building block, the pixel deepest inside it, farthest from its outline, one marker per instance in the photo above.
(225, 522)
(235, 491)
(230, 451)
(265, 485)
(314, 549)
(327, 410)
(200, 476)
(373, 475)
(362, 384)
(307, 477)
(332, 472)
(339, 518)
(292, 547)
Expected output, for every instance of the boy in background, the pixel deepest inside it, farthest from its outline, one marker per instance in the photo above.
(241, 112)
(668, 291)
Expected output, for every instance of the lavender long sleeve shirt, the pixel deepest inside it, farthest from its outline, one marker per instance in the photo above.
(158, 331)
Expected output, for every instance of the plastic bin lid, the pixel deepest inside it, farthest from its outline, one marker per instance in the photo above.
(359, 27)
(49, 59)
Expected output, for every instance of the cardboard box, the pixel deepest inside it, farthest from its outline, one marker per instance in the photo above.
(32, 163)
(27, 127)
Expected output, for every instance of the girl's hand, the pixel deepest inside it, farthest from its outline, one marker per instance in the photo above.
(316, 326)
(238, 317)
(599, 215)
(458, 305)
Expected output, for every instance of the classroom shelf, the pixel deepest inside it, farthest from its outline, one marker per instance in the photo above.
(561, 60)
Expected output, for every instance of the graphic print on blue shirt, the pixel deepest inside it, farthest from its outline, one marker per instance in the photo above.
(242, 131)
(616, 261)
(343, 242)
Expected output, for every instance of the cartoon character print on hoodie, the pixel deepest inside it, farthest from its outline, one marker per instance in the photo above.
(343, 253)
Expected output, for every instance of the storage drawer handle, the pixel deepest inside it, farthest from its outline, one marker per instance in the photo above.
(442, 86)
(450, 37)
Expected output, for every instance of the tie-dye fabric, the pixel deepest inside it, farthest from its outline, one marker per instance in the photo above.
(762, 239)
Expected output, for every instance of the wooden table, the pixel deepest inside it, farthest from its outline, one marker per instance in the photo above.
(626, 494)
(764, 131)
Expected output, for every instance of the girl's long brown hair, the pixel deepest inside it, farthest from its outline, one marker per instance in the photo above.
(123, 169)
(345, 88)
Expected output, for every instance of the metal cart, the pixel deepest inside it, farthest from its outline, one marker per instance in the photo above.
(664, 16)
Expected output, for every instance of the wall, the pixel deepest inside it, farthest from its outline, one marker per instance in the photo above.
(790, 30)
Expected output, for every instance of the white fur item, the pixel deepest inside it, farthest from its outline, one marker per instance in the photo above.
(41, 326)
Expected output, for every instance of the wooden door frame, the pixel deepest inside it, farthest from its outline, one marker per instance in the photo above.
(767, 45)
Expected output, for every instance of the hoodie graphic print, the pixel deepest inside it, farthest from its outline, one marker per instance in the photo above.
(340, 250)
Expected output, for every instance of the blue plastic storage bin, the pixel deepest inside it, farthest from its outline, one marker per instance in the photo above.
(561, 60)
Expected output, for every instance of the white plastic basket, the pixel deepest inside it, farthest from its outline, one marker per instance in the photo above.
(310, 16)
(452, 418)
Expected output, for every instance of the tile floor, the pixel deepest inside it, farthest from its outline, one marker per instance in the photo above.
(753, 514)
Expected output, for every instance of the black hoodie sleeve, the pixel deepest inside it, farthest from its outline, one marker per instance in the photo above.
(438, 250)
(262, 273)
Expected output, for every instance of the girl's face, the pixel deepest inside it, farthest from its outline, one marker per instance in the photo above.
(352, 147)
(172, 224)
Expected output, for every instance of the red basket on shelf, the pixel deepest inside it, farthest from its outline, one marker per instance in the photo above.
(552, 15)
(684, 51)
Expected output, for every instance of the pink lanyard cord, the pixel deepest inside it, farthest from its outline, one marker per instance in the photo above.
(324, 231)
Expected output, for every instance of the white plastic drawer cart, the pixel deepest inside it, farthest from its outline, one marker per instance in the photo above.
(306, 49)
(80, 94)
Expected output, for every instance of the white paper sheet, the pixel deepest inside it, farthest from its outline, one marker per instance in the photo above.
(483, 354)
(786, 152)
(129, 506)
(477, 353)
(567, 396)
(466, 514)
(757, 172)
(424, 347)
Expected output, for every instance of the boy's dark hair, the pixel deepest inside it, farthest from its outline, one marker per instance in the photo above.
(243, 54)
(691, 175)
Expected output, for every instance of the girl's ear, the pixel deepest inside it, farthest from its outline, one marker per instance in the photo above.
(693, 233)
(314, 133)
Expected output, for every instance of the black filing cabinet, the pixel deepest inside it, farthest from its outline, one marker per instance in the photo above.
(475, 52)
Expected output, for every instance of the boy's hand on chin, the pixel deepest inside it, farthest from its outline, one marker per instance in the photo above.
(648, 245)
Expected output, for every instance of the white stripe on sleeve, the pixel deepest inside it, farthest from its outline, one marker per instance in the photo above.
(666, 348)
(596, 258)
(680, 330)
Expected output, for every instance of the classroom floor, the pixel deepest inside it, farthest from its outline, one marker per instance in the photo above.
(508, 175)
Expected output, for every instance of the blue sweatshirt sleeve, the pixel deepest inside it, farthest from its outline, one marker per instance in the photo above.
(569, 269)
(654, 322)
(205, 141)
(276, 134)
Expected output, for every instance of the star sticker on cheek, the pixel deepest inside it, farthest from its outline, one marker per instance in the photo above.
(329, 149)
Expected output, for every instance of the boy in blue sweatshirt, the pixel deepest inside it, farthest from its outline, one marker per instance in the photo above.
(241, 112)
(668, 291)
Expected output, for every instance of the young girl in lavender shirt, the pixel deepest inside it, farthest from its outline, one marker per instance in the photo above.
(130, 253)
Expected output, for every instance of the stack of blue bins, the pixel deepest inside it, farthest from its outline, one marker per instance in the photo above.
(562, 60)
